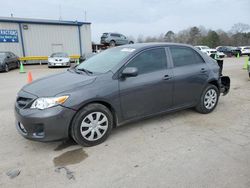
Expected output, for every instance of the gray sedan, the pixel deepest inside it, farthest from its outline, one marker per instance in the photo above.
(117, 86)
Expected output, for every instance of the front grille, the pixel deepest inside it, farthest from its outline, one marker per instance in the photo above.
(23, 102)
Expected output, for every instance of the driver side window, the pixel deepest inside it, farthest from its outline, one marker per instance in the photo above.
(149, 61)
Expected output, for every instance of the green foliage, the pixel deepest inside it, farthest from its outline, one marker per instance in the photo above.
(239, 35)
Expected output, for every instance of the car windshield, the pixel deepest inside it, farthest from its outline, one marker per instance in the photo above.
(230, 48)
(59, 55)
(2, 55)
(106, 60)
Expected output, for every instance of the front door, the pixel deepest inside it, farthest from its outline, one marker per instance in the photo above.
(151, 90)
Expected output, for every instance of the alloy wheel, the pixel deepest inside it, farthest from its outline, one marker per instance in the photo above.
(94, 126)
(210, 99)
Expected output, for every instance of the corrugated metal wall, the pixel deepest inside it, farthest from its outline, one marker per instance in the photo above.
(86, 39)
(43, 39)
(13, 47)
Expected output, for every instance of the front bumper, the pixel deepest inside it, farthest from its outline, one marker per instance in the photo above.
(44, 125)
(59, 64)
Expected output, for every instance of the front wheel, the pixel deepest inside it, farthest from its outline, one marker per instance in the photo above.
(6, 68)
(92, 125)
(208, 100)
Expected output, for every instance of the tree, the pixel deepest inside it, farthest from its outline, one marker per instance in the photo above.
(240, 28)
(140, 39)
(224, 39)
(169, 36)
(194, 35)
(212, 39)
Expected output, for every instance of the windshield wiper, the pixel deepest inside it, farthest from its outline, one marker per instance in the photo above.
(84, 70)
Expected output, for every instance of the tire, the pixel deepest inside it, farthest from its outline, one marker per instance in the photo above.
(208, 100)
(6, 67)
(112, 43)
(131, 42)
(85, 127)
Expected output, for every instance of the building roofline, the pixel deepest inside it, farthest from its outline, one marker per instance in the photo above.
(41, 21)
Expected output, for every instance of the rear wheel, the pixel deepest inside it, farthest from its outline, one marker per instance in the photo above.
(208, 100)
(112, 43)
(92, 125)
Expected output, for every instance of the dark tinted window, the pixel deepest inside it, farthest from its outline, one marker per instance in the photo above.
(115, 35)
(185, 56)
(149, 61)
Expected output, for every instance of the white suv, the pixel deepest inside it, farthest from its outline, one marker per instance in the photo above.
(245, 50)
(210, 51)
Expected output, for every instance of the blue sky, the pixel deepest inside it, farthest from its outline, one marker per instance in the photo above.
(135, 17)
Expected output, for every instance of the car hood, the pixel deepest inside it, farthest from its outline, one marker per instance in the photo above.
(52, 85)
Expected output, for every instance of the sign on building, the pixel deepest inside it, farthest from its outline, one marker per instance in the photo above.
(8, 35)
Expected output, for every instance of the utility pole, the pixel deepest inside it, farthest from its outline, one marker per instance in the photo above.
(60, 12)
(85, 15)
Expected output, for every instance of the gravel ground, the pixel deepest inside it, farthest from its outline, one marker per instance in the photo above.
(182, 149)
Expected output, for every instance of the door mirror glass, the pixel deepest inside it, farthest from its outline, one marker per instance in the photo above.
(130, 72)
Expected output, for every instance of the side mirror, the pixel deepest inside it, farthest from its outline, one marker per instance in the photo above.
(8, 57)
(130, 72)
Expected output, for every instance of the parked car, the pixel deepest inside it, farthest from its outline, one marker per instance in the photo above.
(114, 39)
(229, 50)
(210, 51)
(117, 86)
(245, 50)
(248, 67)
(59, 59)
(8, 60)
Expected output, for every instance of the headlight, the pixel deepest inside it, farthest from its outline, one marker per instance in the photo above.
(43, 103)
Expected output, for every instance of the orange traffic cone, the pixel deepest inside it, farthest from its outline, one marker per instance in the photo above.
(29, 77)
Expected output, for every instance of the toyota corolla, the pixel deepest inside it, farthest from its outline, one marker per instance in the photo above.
(117, 86)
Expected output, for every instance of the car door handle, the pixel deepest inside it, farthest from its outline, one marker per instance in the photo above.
(167, 77)
(203, 70)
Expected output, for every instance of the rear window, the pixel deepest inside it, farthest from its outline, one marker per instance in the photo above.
(104, 34)
(115, 35)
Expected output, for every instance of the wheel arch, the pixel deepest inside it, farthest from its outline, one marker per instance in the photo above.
(104, 103)
(215, 83)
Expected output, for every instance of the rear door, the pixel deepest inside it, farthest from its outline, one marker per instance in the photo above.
(190, 75)
(151, 90)
(117, 38)
(124, 39)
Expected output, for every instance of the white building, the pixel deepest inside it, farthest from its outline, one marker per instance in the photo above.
(38, 37)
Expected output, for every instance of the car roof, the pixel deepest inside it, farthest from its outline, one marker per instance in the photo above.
(153, 44)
